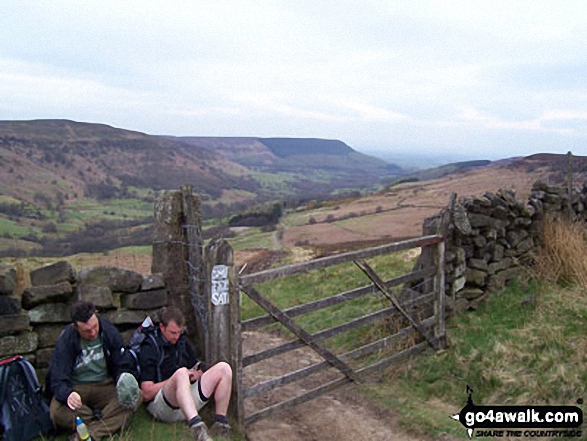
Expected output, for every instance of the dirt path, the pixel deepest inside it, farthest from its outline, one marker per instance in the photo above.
(342, 415)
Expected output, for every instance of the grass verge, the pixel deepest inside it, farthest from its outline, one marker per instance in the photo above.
(525, 346)
(145, 428)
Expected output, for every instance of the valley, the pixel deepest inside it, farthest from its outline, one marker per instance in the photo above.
(73, 189)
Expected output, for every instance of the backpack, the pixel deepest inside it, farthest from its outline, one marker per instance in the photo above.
(146, 330)
(24, 414)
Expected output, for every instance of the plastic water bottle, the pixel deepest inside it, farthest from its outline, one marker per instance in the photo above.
(82, 430)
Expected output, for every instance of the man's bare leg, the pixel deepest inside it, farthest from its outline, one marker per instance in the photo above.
(178, 392)
(217, 381)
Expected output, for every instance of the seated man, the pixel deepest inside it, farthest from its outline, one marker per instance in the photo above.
(173, 383)
(88, 359)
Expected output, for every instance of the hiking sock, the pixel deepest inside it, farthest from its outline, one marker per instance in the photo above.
(195, 420)
(221, 419)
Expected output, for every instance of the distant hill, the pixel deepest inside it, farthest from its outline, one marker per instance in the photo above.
(60, 177)
(284, 147)
(59, 157)
(55, 159)
(300, 155)
(441, 171)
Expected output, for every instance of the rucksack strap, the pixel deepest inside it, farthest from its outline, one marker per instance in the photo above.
(5, 366)
(3, 374)
(10, 359)
(31, 375)
(161, 354)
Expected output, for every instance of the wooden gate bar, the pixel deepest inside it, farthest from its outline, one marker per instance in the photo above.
(381, 285)
(439, 304)
(321, 390)
(300, 333)
(319, 336)
(264, 276)
(331, 332)
(370, 348)
(377, 367)
(295, 311)
(310, 395)
(363, 351)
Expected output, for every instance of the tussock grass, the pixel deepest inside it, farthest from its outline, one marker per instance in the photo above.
(563, 259)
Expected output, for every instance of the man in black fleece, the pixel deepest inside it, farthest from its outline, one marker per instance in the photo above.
(174, 384)
(88, 364)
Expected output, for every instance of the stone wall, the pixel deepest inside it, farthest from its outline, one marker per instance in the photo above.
(489, 239)
(34, 308)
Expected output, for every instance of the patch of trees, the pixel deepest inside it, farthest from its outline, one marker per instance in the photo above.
(258, 218)
(407, 180)
(100, 237)
(107, 190)
(21, 210)
(220, 231)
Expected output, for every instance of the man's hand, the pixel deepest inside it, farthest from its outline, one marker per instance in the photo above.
(74, 401)
(195, 374)
(201, 366)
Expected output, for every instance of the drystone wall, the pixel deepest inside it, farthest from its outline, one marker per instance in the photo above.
(489, 239)
(35, 306)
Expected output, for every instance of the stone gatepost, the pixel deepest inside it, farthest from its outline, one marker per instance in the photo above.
(177, 254)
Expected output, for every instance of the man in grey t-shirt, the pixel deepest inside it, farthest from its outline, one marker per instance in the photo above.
(88, 364)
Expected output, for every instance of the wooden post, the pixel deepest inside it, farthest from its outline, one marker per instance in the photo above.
(439, 303)
(238, 392)
(221, 289)
(570, 187)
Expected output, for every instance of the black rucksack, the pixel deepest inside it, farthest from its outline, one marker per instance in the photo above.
(24, 414)
(146, 330)
(149, 330)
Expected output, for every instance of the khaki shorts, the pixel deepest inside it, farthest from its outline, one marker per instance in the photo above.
(162, 410)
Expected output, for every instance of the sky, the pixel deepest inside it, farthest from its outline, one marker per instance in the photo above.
(475, 79)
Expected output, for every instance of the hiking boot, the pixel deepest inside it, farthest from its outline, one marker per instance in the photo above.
(199, 432)
(219, 429)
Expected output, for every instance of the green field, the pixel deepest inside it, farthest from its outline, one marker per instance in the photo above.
(252, 238)
(16, 230)
(114, 209)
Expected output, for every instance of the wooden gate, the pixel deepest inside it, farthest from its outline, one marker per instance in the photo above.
(430, 330)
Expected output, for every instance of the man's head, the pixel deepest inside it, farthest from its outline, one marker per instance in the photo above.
(171, 323)
(83, 316)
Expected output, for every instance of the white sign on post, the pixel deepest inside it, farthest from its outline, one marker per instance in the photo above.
(220, 285)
